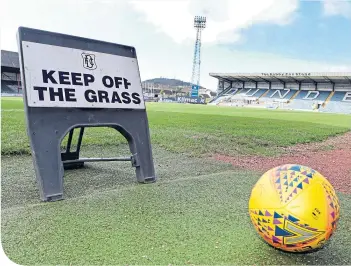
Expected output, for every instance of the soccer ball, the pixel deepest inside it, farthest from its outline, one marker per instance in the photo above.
(294, 208)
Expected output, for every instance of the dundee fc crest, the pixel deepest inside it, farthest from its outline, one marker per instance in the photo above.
(89, 61)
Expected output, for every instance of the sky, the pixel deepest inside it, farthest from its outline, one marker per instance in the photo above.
(241, 36)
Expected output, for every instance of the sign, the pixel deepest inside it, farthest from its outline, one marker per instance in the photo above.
(72, 83)
(66, 77)
(180, 99)
(169, 100)
(285, 74)
(196, 100)
(194, 91)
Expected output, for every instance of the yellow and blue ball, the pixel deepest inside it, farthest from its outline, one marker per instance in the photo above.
(294, 208)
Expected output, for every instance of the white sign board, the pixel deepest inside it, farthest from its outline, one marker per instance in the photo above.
(58, 76)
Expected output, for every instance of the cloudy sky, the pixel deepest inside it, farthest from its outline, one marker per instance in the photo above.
(241, 36)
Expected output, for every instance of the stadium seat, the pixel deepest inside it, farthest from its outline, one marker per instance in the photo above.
(9, 89)
(306, 100)
(337, 105)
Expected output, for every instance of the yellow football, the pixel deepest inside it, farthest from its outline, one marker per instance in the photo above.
(294, 208)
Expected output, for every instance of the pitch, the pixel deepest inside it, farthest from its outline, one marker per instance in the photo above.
(195, 214)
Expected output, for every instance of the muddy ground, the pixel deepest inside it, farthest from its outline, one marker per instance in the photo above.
(332, 158)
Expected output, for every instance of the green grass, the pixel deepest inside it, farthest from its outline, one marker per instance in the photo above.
(196, 212)
(195, 130)
(286, 115)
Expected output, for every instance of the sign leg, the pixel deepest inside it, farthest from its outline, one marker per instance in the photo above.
(142, 158)
(138, 137)
(48, 166)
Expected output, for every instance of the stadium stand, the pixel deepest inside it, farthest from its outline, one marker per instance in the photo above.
(224, 95)
(8, 88)
(340, 102)
(285, 94)
(9, 61)
(10, 74)
(259, 93)
(307, 100)
(323, 92)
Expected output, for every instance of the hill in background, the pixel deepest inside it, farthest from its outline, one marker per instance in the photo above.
(169, 82)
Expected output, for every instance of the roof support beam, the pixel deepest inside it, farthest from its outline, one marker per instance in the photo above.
(281, 81)
(328, 79)
(267, 81)
(240, 80)
(233, 79)
(224, 79)
(332, 82)
(224, 89)
(313, 81)
(249, 79)
(297, 81)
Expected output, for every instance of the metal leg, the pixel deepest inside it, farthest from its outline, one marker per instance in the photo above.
(80, 138)
(69, 142)
(113, 159)
(71, 159)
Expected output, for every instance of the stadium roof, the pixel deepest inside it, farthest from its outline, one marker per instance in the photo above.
(287, 77)
(9, 61)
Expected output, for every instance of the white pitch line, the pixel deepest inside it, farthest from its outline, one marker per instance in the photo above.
(12, 110)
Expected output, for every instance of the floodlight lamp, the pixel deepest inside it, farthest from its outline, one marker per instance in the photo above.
(200, 22)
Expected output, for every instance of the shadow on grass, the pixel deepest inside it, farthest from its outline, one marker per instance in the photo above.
(19, 185)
